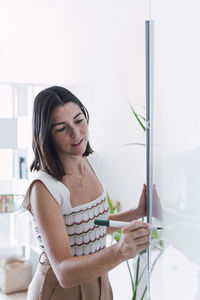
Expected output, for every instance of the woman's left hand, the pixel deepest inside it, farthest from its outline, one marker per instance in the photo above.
(142, 205)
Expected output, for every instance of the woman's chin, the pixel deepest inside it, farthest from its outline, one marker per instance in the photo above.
(79, 150)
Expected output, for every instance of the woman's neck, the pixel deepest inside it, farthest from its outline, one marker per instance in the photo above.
(73, 164)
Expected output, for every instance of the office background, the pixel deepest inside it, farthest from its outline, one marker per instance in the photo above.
(97, 49)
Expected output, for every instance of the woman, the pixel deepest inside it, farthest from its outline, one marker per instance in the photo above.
(65, 195)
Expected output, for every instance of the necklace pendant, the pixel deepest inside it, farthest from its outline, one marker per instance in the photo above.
(82, 182)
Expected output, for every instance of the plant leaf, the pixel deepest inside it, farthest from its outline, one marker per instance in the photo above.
(133, 144)
(136, 277)
(137, 117)
(144, 293)
(161, 243)
(118, 207)
(116, 235)
(143, 251)
(155, 261)
(110, 204)
(143, 118)
(154, 234)
(132, 282)
(142, 274)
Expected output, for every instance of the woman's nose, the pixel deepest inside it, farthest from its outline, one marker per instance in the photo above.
(74, 132)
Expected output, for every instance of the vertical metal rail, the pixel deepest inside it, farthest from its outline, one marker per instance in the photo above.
(149, 34)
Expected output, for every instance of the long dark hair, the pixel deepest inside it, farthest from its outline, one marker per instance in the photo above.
(46, 157)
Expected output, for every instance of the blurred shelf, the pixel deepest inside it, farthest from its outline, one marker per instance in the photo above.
(14, 296)
(10, 203)
(20, 209)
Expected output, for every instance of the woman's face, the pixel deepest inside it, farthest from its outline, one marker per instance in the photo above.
(69, 130)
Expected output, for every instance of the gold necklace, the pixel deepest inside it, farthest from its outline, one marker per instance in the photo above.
(79, 178)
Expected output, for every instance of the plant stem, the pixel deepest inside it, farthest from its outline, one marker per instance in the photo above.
(153, 265)
(144, 293)
(142, 274)
(136, 277)
(129, 269)
(155, 261)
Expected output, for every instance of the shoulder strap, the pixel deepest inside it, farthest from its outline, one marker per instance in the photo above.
(58, 190)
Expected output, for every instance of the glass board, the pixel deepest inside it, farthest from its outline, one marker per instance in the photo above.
(175, 250)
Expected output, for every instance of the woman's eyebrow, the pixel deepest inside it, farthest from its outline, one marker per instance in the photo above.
(62, 123)
(59, 123)
(78, 115)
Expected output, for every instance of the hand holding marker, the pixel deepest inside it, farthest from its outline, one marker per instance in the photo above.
(120, 224)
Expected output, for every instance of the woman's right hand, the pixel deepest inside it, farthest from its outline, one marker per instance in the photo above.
(134, 238)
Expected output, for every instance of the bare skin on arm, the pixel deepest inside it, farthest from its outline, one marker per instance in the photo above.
(52, 228)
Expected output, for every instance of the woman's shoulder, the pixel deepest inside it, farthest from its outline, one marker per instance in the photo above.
(59, 192)
(43, 176)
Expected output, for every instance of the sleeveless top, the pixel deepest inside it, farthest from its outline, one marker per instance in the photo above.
(84, 236)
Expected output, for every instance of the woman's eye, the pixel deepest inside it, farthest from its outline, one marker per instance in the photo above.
(61, 129)
(79, 121)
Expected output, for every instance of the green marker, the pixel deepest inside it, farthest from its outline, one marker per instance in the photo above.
(120, 224)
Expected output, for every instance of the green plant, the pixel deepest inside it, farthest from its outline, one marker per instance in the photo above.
(157, 247)
(156, 237)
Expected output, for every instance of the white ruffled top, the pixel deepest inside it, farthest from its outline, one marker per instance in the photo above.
(84, 236)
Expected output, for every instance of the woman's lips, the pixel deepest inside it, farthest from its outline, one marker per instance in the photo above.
(78, 144)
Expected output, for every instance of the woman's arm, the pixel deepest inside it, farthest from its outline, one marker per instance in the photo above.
(132, 214)
(71, 271)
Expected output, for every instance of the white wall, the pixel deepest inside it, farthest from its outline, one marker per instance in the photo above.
(97, 47)
(177, 158)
